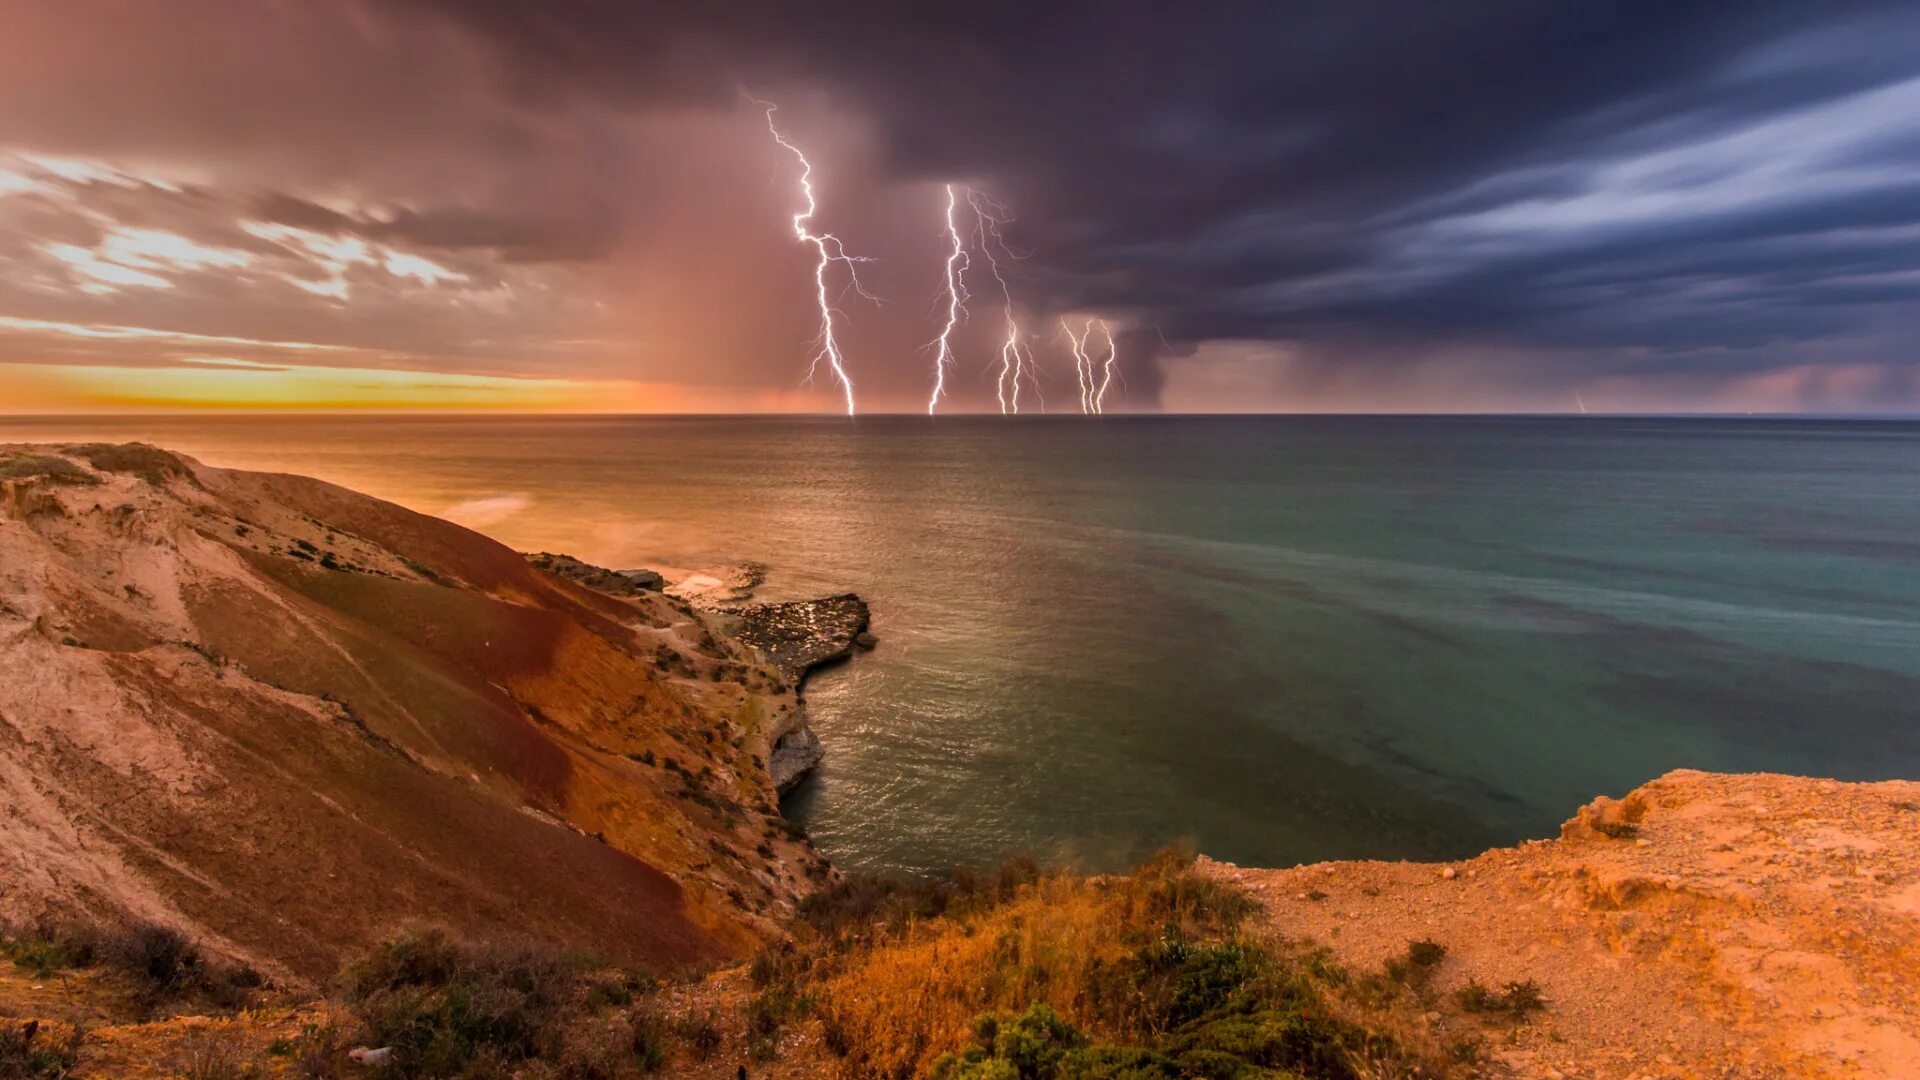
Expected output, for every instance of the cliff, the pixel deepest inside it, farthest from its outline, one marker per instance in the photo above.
(286, 717)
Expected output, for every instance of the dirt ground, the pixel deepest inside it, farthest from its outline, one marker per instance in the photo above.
(1704, 926)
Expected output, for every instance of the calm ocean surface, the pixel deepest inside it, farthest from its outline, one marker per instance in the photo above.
(1274, 639)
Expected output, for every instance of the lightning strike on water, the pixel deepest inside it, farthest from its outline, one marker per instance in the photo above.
(831, 251)
(1096, 377)
(1016, 358)
(1082, 365)
(1106, 377)
(956, 304)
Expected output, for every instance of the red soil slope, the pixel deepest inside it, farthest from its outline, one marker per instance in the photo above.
(287, 717)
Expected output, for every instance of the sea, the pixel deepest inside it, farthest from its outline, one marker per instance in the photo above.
(1269, 639)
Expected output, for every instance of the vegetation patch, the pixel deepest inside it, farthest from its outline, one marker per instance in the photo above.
(456, 1009)
(1414, 968)
(159, 963)
(30, 1050)
(1024, 975)
(59, 470)
(1516, 999)
(150, 463)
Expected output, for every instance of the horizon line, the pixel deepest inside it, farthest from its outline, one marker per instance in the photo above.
(292, 413)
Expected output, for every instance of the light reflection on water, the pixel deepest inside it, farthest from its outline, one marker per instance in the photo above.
(1276, 639)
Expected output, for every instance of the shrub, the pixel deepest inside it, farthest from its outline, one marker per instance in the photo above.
(315, 1052)
(455, 1009)
(1515, 999)
(47, 945)
(150, 463)
(701, 1034)
(1425, 953)
(1028, 1046)
(59, 470)
(162, 963)
(866, 906)
(215, 1055)
(1415, 966)
(27, 1052)
(158, 955)
(608, 1048)
(767, 1014)
(443, 1007)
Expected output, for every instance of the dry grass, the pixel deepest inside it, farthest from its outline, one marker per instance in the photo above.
(37, 1050)
(909, 1002)
(1043, 975)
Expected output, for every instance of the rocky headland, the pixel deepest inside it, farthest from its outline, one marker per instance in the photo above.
(795, 637)
(284, 717)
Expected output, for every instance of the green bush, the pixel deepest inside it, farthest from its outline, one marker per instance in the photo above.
(44, 948)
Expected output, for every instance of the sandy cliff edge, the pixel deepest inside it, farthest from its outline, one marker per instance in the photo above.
(1705, 925)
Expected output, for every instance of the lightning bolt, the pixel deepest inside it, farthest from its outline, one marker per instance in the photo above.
(831, 251)
(1095, 376)
(956, 304)
(1082, 366)
(1106, 378)
(1016, 358)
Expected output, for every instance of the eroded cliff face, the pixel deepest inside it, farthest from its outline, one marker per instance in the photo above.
(287, 717)
(1702, 926)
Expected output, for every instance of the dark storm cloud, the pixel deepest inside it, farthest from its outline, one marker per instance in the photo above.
(1466, 205)
(1653, 179)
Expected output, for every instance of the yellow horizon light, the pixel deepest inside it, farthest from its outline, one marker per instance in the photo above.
(215, 384)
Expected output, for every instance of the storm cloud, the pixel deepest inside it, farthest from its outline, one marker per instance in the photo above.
(1478, 205)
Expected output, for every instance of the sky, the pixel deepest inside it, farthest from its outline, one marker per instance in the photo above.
(1476, 206)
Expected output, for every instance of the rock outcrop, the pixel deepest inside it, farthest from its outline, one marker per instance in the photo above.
(797, 636)
(792, 636)
(616, 582)
(800, 635)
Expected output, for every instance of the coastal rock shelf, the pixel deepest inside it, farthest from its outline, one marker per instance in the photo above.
(797, 636)
(800, 635)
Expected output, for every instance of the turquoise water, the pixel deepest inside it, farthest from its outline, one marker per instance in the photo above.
(1275, 639)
